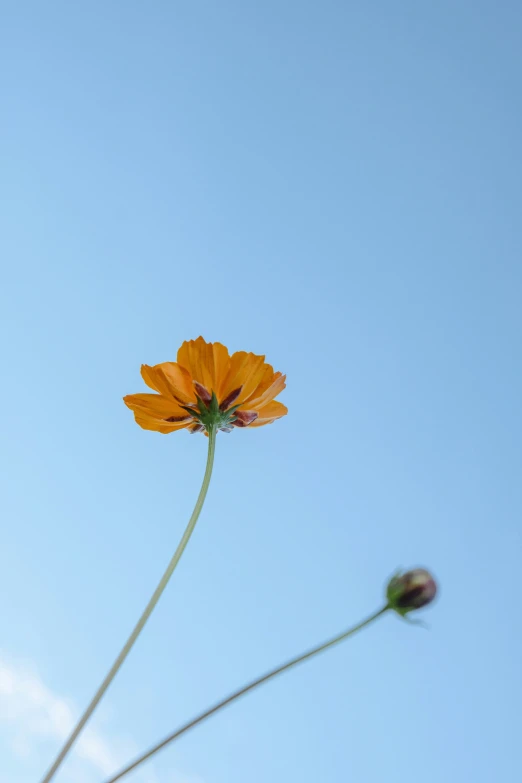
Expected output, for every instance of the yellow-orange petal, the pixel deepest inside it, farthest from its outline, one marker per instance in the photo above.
(246, 372)
(252, 375)
(269, 413)
(155, 406)
(155, 425)
(266, 379)
(221, 363)
(192, 356)
(276, 386)
(207, 363)
(170, 380)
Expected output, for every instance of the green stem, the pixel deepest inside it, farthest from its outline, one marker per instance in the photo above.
(241, 692)
(146, 614)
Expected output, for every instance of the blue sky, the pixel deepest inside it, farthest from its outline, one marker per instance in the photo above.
(337, 186)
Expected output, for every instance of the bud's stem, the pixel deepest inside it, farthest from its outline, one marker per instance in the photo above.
(147, 612)
(242, 691)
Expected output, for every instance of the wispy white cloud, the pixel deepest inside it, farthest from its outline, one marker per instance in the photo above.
(34, 719)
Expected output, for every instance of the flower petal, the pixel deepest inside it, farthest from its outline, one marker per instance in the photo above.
(230, 399)
(193, 357)
(245, 418)
(155, 406)
(207, 363)
(275, 387)
(221, 364)
(158, 426)
(264, 383)
(246, 371)
(271, 412)
(170, 380)
(202, 392)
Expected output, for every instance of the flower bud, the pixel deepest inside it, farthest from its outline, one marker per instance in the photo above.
(411, 590)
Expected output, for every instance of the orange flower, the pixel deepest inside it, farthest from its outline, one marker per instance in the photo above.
(207, 388)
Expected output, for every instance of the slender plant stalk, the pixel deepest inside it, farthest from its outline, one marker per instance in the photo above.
(242, 691)
(146, 613)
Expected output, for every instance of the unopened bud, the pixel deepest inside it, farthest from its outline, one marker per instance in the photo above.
(411, 590)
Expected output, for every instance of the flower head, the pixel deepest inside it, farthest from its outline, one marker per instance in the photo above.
(206, 387)
(411, 590)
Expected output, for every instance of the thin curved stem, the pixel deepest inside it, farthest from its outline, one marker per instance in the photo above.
(146, 613)
(242, 691)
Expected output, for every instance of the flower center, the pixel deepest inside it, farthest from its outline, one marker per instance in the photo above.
(212, 414)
